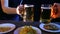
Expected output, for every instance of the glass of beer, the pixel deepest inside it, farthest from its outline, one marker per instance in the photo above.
(45, 13)
(28, 13)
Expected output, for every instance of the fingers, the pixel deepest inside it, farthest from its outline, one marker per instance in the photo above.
(55, 10)
(57, 4)
(20, 9)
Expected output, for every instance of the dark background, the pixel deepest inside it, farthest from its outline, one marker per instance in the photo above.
(37, 8)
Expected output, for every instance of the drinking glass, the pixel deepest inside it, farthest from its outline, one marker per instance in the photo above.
(28, 13)
(45, 13)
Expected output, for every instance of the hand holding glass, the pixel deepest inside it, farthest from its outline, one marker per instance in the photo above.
(26, 12)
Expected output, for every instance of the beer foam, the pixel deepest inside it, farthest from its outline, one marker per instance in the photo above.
(28, 5)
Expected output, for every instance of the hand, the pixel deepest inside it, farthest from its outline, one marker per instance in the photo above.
(20, 9)
(55, 10)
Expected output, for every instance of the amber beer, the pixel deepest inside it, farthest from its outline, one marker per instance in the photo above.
(28, 13)
(45, 14)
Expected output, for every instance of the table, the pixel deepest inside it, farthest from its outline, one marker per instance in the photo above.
(21, 23)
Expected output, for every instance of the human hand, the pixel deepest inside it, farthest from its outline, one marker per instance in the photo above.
(55, 10)
(20, 9)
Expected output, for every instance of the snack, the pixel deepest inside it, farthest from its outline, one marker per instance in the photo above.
(4, 29)
(51, 27)
(27, 30)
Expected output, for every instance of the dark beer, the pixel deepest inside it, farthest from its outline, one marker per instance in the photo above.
(29, 13)
(45, 14)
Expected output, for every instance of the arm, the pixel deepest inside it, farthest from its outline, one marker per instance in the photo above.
(6, 9)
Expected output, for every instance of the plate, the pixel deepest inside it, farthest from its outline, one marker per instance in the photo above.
(12, 26)
(35, 28)
(42, 27)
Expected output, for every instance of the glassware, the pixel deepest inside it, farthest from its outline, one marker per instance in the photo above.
(45, 13)
(28, 13)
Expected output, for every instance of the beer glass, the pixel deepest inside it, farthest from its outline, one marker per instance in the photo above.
(45, 13)
(28, 13)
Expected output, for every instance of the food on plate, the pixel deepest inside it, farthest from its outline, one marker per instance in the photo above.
(51, 27)
(4, 29)
(27, 30)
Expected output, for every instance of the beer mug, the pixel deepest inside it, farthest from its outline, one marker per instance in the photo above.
(28, 13)
(45, 13)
